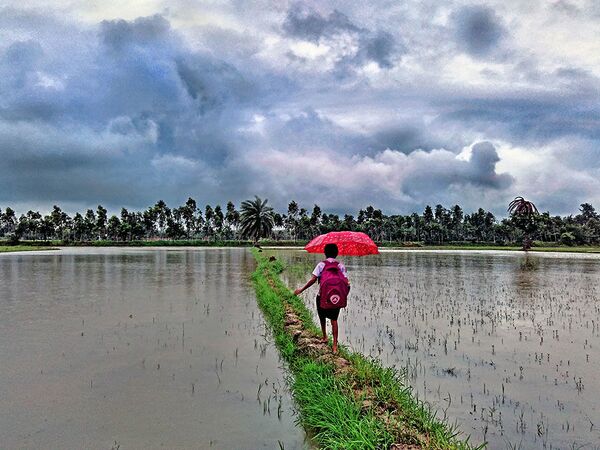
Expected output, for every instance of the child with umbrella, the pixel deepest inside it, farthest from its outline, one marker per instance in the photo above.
(332, 276)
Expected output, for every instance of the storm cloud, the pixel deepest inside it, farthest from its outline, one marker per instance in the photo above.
(478, 30)
(396, 106)
(361, 44)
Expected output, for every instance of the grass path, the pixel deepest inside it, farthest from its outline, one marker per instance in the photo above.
(345, 401)
(23, 248)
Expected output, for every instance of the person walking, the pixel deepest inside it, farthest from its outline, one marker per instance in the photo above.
(334, 286)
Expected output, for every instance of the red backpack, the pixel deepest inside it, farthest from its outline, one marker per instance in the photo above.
(333, 286)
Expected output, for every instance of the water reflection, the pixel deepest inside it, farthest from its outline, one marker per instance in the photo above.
(506, 345)
(138, 348)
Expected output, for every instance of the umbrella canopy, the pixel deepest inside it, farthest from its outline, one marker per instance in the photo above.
(349, 243)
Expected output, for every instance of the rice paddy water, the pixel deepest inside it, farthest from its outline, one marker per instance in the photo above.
(138, 348)
(129, 348)
(504, 344)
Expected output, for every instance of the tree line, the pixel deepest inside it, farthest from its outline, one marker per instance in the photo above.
(435, 225)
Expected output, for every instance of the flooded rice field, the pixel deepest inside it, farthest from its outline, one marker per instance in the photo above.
(504, 345)
(138, 348)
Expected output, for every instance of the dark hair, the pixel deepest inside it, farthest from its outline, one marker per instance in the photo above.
(331, 251)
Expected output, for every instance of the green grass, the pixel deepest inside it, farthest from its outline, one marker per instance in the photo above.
(334, 417)
(538, 246)
(162, 243)
(23, 248)
(331, 404)
(165, 243)
(582, 249)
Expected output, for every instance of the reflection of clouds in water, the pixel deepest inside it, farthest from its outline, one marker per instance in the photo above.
(145, 346)
(519, 340)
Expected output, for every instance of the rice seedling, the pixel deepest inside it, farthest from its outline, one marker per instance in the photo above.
(366, 406)
(522, 337)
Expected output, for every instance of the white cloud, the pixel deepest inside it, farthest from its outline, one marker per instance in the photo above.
(398, 180)
(234, 101)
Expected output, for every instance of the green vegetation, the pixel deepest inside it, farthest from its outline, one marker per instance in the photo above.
(23, 248)
(163, 243)
(435, 226)
(346, 401)
(524, 215)
(256, 219)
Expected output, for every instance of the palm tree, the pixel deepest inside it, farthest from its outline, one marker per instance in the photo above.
(256, 219)
(524, 214)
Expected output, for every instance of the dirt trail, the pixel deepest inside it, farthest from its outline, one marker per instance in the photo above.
(311, 345)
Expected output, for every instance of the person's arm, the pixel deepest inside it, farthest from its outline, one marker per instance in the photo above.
(312, 281)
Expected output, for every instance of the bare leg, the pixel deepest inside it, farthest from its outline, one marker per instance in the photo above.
(323, 329)
(334, 328)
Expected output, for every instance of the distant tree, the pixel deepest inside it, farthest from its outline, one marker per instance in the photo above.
(303, 224)
(588, 212)
(208, 227)
(428, 220)
(46, 227)
(127, 226)
(278, 220)
(113, 228)
(334, 222)
(567, 238)
(373, 223)
(21, 228)
(188, 213)
(524, 214)
(199, 222)
(348, 223)
(592, 231)
(8, 221)
(177, 215)
(33, 223)
(162, 214)
(416, 226)
(219, 221)
(521, 206)
(78, 227)
(428, 215)
(149, 219)
(291, 221)
(61, 222)
(439, 213)
(256, 218)
(456, 221)
(440, 216)
(360, 219)
(433, 225)
(101, 222)
(89, 224)
(175, 228)
(315, 220)
(232, 219)
(489, 223)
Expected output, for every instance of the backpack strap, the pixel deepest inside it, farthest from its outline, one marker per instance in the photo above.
(330, 264)
(325, 263)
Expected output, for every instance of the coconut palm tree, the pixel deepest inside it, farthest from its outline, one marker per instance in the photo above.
(524, 214)
(256, 219)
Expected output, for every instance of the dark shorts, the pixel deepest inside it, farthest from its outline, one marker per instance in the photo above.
(331, 314)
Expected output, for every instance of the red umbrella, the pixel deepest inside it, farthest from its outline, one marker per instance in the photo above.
(350, 243)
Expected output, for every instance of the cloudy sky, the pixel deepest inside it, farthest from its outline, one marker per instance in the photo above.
(395, 104)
